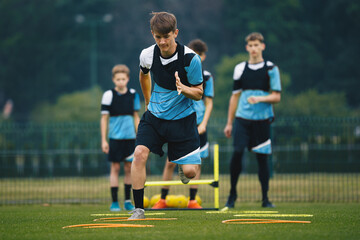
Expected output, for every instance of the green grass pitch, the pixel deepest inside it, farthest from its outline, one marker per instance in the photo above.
(329, 221)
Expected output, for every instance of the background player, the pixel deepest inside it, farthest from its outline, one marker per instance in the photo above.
(119, 117)
(203, 110)
(256, 87)
(170, 117)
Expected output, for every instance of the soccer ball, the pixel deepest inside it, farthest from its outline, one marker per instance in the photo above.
(154, 199)
(198, 199)
(146, 202)
(181, 201)
(176, 201)
(171, 201)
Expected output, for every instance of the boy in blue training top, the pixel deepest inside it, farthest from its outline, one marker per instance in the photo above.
(203, 110)
(120, 118)
(170, 117)
(256, 87)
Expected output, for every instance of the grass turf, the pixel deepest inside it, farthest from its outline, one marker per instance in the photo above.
(329, 221)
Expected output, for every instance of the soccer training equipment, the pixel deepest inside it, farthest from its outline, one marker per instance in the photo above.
(146, 202)
(115, 207)
(182, 176)
(154, 199)
(181, 201)
(212, 182)
(138, 213)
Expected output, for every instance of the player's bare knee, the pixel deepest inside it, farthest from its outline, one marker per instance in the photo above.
(127, 167)
(115, 167)
(190, 171)
(140, 155)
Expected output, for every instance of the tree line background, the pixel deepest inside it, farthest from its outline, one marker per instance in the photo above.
(46, 51)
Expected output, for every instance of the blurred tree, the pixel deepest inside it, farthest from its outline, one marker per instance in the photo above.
(81, 106)
(44, 53)
(224, 83)
(340, 48)
(312, 103)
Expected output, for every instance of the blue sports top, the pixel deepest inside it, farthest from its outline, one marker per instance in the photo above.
(121, 108)
(208, 92)
(165, 103)
(255, 80)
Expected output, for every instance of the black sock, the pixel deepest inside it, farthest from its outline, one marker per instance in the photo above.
(139, 198)
(127, 189)
(264, 175)
(114, 193)
(164, 193)
(235, 170)
(193, 192)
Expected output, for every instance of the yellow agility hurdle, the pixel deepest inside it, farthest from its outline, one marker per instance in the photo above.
(212, 182)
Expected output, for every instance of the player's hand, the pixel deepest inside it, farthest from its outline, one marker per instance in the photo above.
(178, 83)
(228, 130)
(254, 99)
(201, 128)
(105, 147)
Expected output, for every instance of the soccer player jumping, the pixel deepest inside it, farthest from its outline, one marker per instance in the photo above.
(170, 115)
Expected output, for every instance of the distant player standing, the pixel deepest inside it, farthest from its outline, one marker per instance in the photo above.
(256, 87)
(203, 110)
(120, 119)
(170, 116)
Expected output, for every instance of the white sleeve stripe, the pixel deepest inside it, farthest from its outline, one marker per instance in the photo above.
(268, 63)
(236, 91)
(188, 50)
(146, 57)
(107, 98)
(238, 71)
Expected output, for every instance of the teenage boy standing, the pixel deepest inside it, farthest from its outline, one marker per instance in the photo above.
(256, 87)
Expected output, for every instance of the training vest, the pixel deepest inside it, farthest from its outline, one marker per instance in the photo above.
(256, 79)
(164, 75)
(122, 104)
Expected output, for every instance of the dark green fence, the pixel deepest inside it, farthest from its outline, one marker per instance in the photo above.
(315, 159)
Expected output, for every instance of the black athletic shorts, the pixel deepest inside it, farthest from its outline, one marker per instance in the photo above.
(120, 150)
(203, 139)
(181, 135)
(255, 135)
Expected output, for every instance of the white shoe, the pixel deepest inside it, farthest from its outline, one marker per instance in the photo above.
(137, 213)
(182, 176)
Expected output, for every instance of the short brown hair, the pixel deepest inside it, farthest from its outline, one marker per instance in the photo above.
(254, 36)
(198, 46)
(120, 68)
(163, 22)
